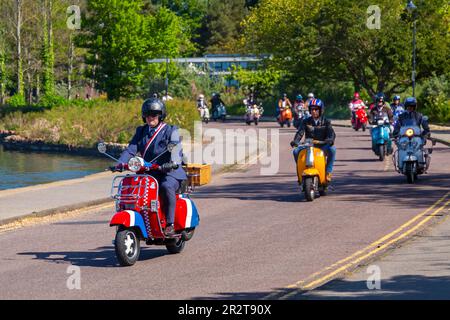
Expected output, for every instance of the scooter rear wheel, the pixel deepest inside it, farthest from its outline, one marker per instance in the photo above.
(127, 247)
(176, 246)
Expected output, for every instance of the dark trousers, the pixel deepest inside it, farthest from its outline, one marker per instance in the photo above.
(168, 186)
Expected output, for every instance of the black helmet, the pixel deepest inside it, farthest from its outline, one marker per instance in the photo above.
(410, 102)
(153, 105)
(379, 97)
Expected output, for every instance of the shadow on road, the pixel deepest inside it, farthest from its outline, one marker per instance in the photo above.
(103, 257)
(404, 287)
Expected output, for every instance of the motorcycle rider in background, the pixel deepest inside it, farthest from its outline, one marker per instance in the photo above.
(310, 97)
(201, 104)
(379, 109)
(355, 104)
(317, 127)
(397, 108)
(283, 103)
(412, 117)
(215, 102)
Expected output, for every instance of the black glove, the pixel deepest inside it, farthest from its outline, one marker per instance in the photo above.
(116, 168)
(167, 167)
(294, 144)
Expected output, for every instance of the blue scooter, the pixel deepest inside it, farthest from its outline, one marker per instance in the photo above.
(381, 143)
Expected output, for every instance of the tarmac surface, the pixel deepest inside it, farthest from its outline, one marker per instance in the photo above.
(258, 238)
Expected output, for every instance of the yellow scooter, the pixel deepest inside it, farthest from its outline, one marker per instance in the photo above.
(311, 173)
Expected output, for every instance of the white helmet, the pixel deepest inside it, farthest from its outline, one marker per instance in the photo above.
(200, 96)
(311, 95)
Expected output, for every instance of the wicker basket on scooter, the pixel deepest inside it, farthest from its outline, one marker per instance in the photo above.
(198, 174)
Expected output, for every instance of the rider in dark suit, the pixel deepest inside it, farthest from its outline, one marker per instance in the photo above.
(150, 141)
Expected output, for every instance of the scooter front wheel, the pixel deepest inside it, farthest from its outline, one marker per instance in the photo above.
(127, 247)
(381, 152)
(309, 189)
(409, 171)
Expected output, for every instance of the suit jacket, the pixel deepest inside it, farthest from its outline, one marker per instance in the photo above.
(159, 145)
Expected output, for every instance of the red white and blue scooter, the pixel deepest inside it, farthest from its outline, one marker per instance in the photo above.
(139, 215)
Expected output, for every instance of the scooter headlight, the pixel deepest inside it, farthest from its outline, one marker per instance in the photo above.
(409, 133)
(135, 164)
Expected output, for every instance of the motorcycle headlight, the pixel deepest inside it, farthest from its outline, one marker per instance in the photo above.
(409, 133)
(135, 164)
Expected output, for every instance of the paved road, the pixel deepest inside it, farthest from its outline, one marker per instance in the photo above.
(257, 235)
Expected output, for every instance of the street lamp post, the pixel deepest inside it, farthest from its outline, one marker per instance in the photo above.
(412, 9)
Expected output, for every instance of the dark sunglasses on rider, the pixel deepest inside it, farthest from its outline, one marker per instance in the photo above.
(152, 114)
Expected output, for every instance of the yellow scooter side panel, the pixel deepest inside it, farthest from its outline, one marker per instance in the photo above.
(317, 170)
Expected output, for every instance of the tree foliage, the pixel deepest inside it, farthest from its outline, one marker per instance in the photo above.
(329, 40)
(120, 40)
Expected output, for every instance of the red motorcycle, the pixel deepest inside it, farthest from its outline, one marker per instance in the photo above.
(139, 215)
(360, 120)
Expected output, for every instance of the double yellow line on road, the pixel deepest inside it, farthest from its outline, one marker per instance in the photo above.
(330, 272)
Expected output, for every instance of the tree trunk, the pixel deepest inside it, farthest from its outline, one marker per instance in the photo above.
(38, 87)
(20, 89)
(70, 70)
(47, 48)
(2, 78)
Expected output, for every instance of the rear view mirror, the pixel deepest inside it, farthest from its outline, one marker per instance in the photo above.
(101, 147)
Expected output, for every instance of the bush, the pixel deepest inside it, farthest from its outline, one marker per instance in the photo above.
(86, 124)
(17, 100)
(50, 100)
(435, 98)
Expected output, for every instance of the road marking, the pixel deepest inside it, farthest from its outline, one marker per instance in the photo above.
(375, 247)
(387, 162)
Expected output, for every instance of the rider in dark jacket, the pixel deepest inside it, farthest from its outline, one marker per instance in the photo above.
(317, 127)
(412, 117)
(150, 141)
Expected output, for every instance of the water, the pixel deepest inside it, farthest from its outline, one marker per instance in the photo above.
(21, 169)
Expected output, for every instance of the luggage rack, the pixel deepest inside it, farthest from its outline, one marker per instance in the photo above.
(135, 196)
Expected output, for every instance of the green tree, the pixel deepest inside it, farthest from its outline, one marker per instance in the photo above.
(329, 40)
(3, 76)
(48, 55)
(117, 45)
(120, 40)
(192, 14)
(223, 26)
(260, 82)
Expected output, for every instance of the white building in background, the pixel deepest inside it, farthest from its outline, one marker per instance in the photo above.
(217, 64)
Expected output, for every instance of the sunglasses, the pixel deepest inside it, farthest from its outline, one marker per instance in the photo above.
(152, 114)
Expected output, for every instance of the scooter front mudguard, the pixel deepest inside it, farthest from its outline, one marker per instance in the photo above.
(128, 219)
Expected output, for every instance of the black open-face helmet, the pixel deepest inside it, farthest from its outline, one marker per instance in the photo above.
(153, 106)
(380, 97)
(410, 102)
